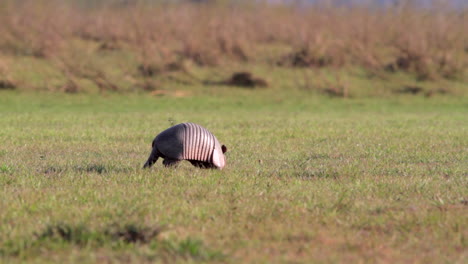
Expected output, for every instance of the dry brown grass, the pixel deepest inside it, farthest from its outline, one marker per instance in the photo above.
(431, 43)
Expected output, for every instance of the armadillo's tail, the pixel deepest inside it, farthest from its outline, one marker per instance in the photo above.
(152, 158)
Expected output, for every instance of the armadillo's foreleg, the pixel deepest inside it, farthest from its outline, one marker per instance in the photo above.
(152, 158)
(170, 162)
(202, 164)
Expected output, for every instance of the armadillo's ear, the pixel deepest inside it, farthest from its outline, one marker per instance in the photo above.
(224, 149)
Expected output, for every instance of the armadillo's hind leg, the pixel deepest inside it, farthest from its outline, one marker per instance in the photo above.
(170, 162)
(152, 158)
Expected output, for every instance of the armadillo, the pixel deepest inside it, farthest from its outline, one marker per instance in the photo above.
(187, 141)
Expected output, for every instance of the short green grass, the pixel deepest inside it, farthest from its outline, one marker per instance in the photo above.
(309, 179)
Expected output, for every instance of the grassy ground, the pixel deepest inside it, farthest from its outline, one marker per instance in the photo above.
(356, 151)
(309, 178)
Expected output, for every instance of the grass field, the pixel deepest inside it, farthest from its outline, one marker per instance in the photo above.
(309, 179)
(346, 128)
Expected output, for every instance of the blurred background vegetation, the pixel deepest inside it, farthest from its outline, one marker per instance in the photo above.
(333, 47)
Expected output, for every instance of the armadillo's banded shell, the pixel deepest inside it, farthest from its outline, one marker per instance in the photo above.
(189, 141)
(199, 143)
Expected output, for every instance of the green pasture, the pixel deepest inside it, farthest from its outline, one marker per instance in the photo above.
(309, 178)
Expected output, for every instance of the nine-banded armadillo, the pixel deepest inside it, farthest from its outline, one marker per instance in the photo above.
(187, 141)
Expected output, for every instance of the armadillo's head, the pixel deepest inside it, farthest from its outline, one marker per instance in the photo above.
(219, 160)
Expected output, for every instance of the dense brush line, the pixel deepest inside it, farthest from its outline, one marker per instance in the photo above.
(430, 42)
